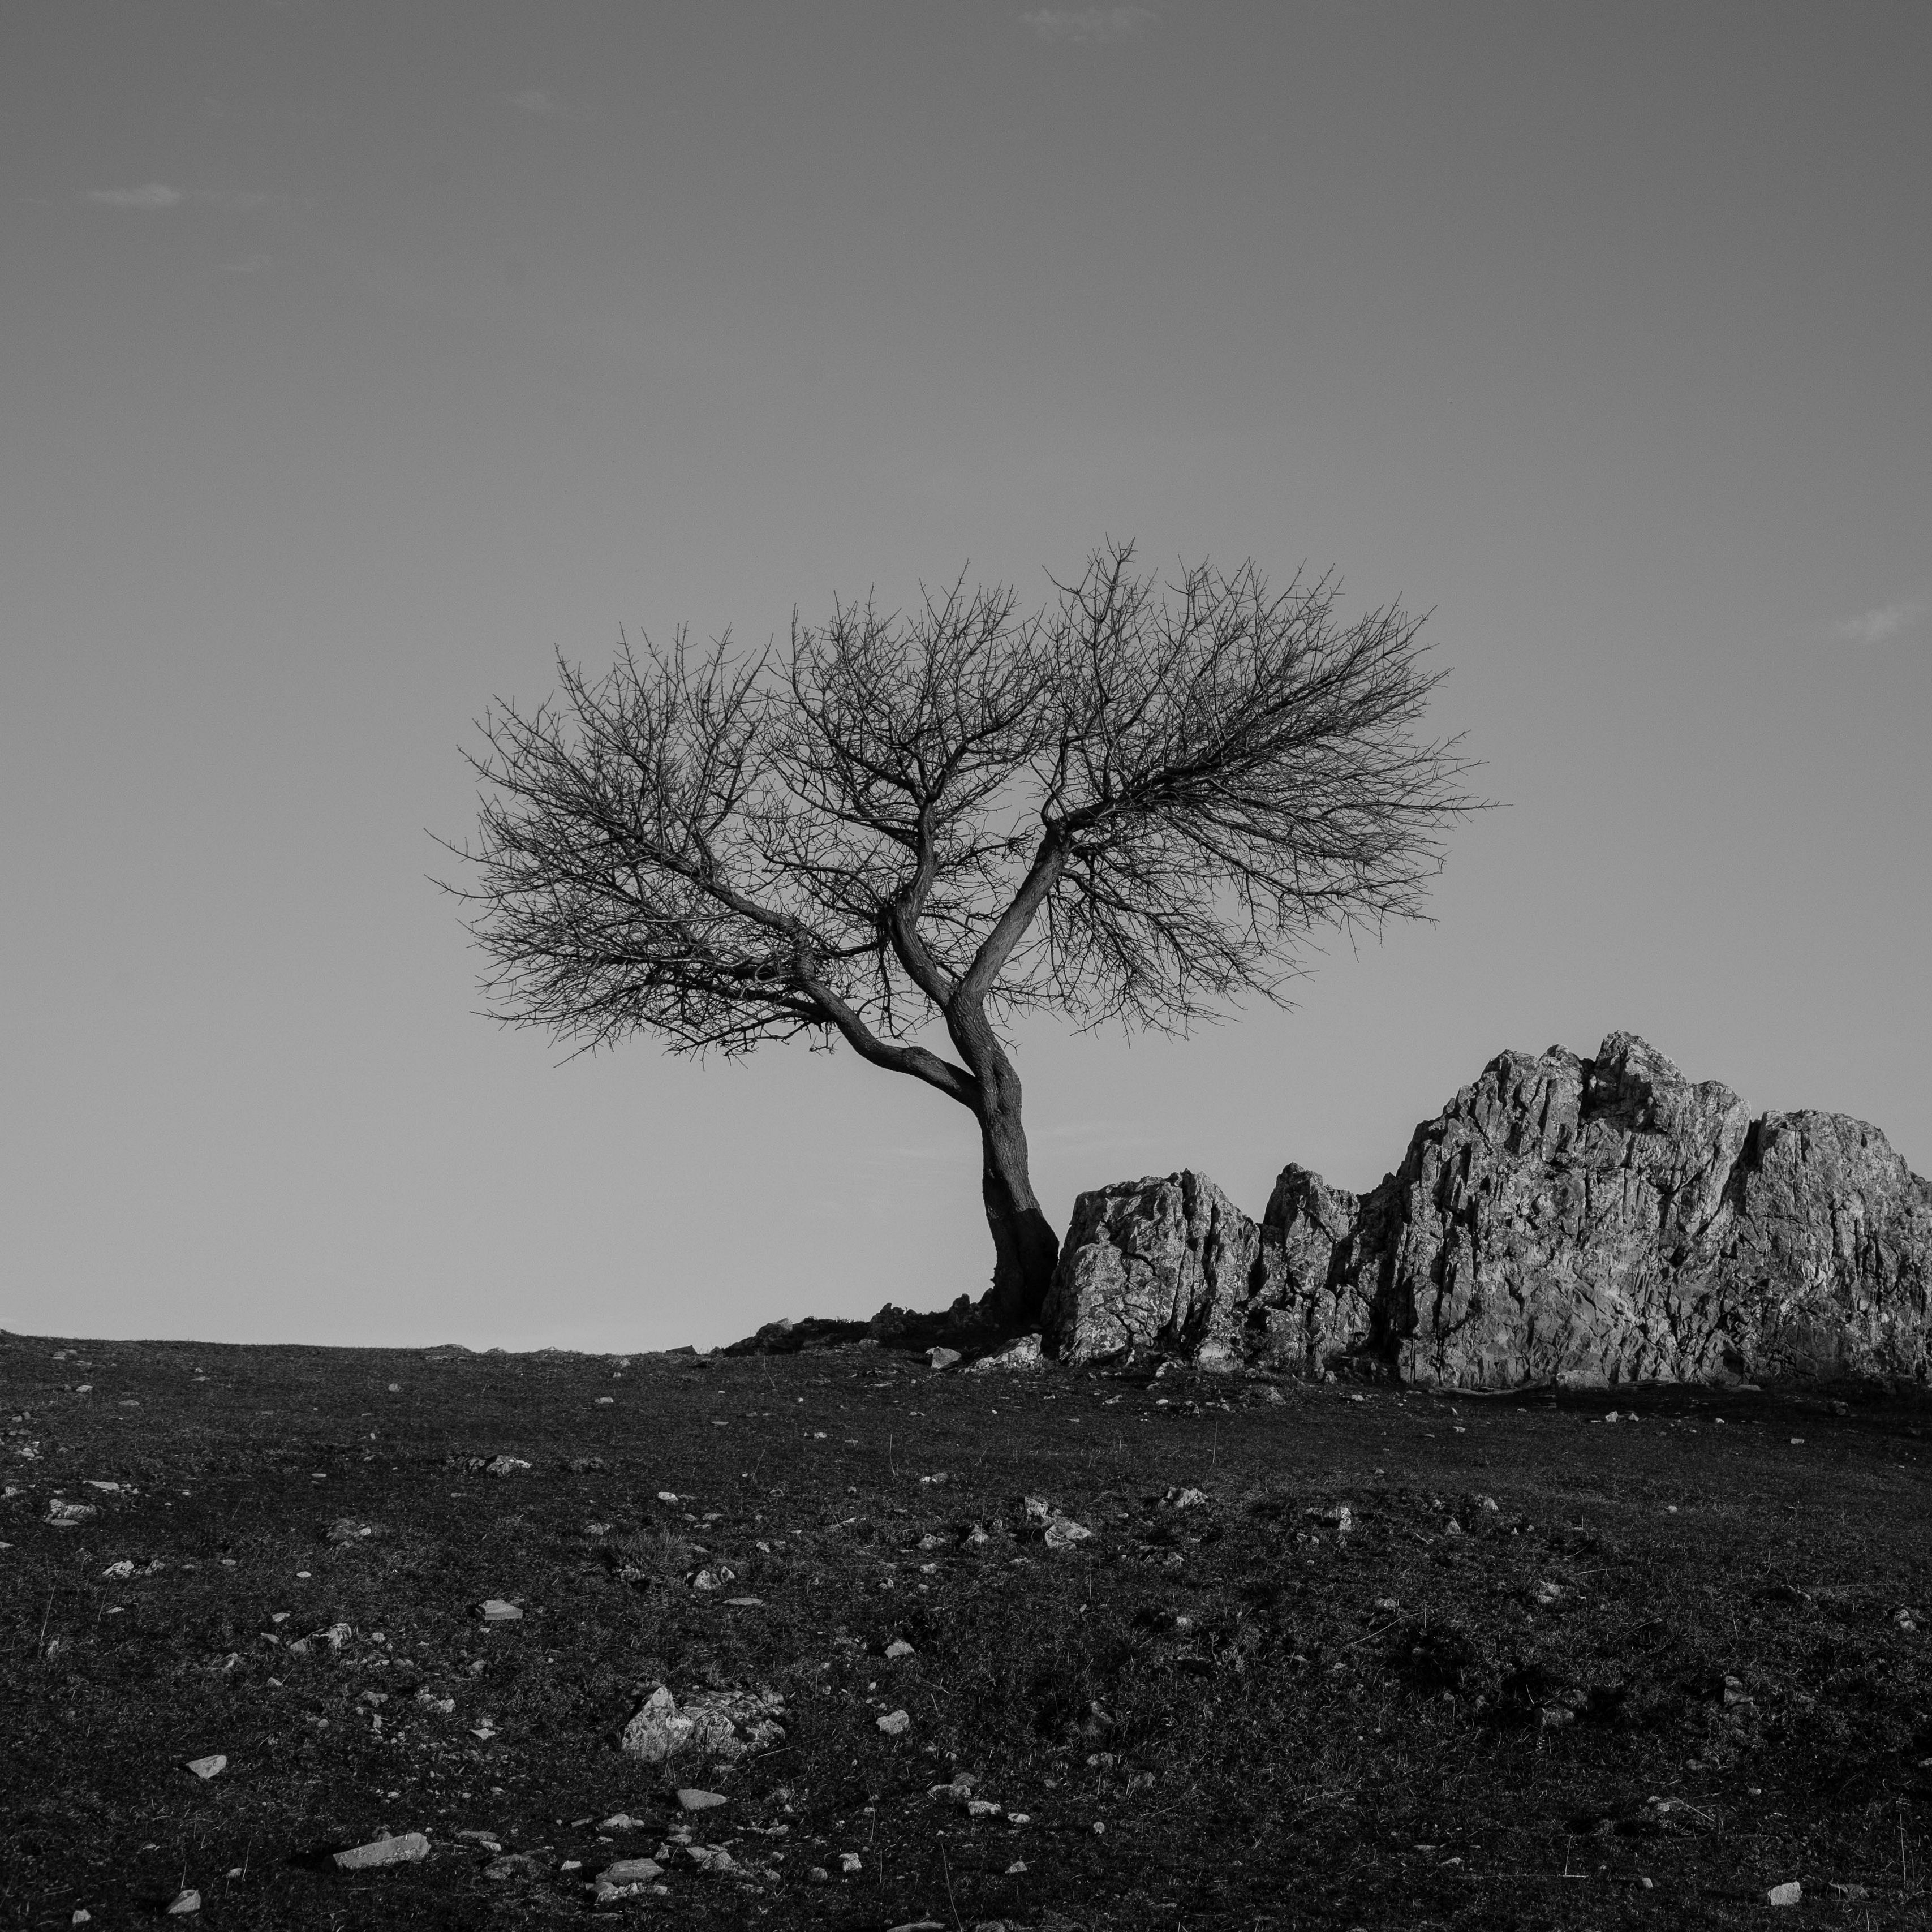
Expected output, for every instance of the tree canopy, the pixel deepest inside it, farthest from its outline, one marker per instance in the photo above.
(1128, 806)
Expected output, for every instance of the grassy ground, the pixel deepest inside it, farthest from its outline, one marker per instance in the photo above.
(1664, 1672)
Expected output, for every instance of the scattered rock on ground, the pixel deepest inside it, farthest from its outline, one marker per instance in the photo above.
(1059, 1531)
(405, 1849)
(723, 1724)
(941, 1358)
(894, 1724)
(212, 1766)
(1018, 1358)
(495, 1610)
(184, 1904)
(691, 1799)
(630, 1871)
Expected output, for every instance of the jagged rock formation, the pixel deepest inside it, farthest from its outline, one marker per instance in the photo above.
(1162, 1263)
(1587, 1221)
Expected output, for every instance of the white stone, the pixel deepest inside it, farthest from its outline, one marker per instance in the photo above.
(407, 1849)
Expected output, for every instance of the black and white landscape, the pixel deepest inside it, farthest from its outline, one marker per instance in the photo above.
(965, 968)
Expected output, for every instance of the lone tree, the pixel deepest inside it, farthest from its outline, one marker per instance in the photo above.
(1126, 806)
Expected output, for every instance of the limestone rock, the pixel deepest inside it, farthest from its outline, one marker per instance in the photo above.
(1587, 1221)
(720, 1724)
(1608, 1220)
(1022, 1357)
(407, 1849)
(1160, 1263)
(1308, 1310)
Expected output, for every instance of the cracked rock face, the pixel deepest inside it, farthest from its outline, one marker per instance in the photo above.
(1584, 1221)
(1158, 1263)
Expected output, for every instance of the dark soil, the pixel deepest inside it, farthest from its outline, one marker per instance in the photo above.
(1667, 1670)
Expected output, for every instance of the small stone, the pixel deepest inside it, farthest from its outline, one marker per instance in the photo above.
(70, 1515)
(125, 1567)
(406, 1850)
(605, 1401)
(1547, 1593)
(850, 1862)
(631, 1871)
(894, 1724)
(1062, 1532)
(184, 1904)
(1488, 1503)
(1020, 1357)
(666, 1496)
(898, 1648)
(495, 1610)
(693, 1800)
(504, 1466)
(1187, 1498)
(744, 1603)
(212, 1766)
(941, 1358)
(1017, 1866)
(81, 1916)
(818, 1874)
(1789, 1893)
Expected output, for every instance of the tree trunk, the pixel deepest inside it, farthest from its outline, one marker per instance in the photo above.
(1025, 1248)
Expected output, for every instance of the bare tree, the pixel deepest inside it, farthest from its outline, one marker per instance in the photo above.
(1128, 806)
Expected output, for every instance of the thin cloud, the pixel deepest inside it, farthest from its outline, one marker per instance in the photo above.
(158, 194)
(1875, 627)
(1088, 25)
(155, 194)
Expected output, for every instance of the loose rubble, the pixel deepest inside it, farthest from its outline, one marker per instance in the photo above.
(722, 1724)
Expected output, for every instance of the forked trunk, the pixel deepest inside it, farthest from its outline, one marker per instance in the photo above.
(1025, 1248)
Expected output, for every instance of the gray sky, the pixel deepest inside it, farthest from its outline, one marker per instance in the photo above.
(355, 356)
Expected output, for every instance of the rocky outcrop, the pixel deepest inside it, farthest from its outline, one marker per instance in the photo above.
(1159, 1263)
(1562, 1219)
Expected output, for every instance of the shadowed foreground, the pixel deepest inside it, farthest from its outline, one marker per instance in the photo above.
(1680, 1661)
